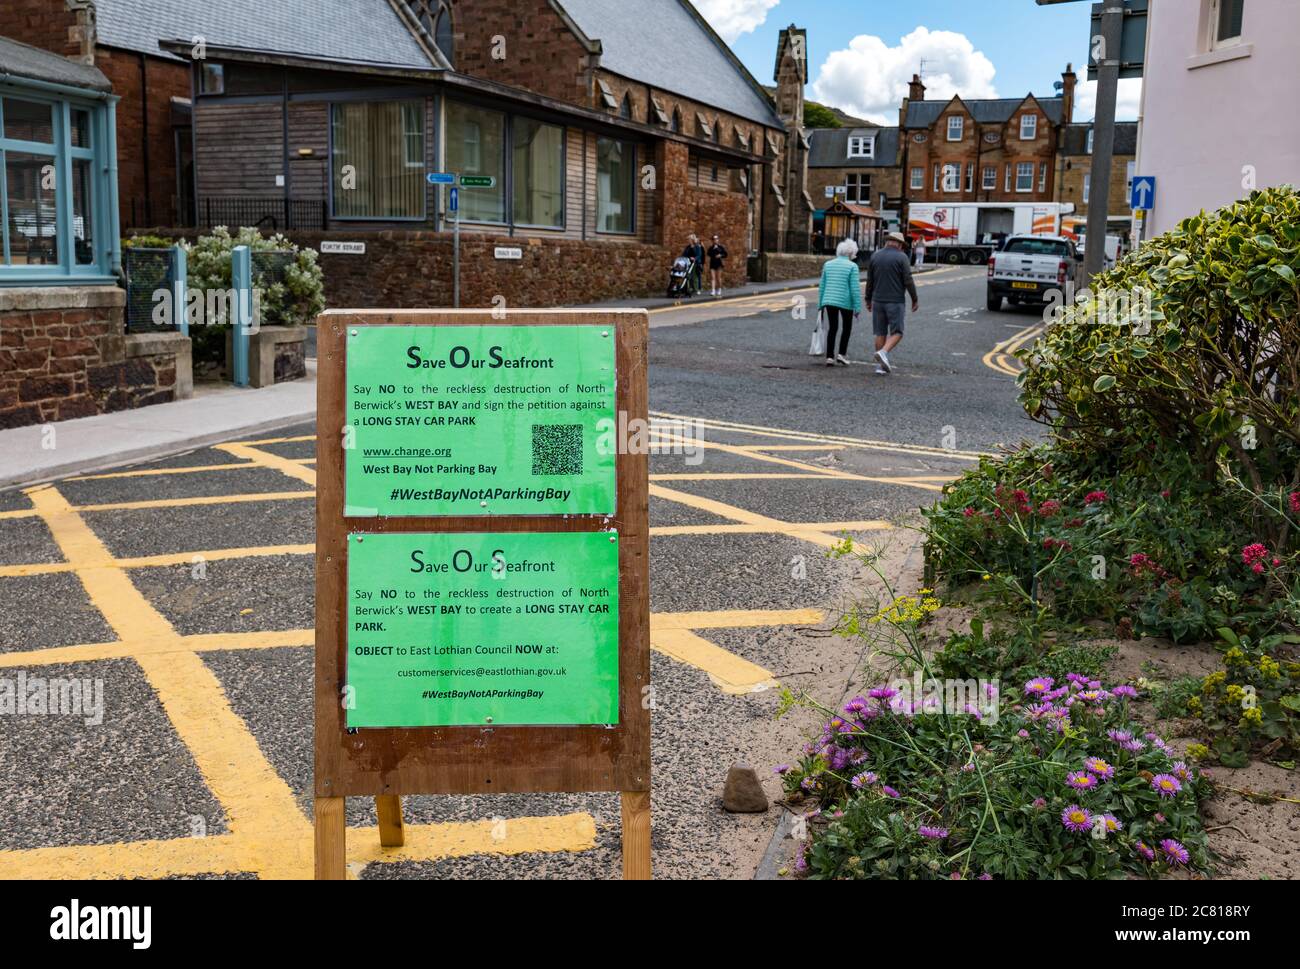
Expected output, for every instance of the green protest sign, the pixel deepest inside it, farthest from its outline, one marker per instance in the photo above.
(482, 630)
(479, 420)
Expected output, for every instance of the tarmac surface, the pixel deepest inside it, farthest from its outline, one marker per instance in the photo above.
(180, 591)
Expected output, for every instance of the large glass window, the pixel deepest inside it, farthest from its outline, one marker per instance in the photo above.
(33, 221)
(538, 174)
(378, 160)
(55, 194)
(476, 145)
(616, 186)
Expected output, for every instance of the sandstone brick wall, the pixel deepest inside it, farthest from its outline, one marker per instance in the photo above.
(780, 267)
(541, 54)
(141, 180)
(47, 24)
(63, 354)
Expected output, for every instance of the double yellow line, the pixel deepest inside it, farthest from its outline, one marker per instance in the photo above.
(1001, 359)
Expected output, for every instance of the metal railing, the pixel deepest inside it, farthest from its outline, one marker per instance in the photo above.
(148, 271)
(271, 214)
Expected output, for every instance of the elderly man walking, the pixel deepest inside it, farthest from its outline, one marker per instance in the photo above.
(889, 277)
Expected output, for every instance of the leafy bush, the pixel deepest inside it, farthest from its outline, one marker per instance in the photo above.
(1014, 653)
(1059, 784)
(295, 301)
(1208, 369)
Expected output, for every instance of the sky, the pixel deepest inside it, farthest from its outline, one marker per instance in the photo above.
(863, 52)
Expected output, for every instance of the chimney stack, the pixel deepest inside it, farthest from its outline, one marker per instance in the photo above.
(916, 90)
(1068, 79)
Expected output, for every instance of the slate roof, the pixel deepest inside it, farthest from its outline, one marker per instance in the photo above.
(1076, 138)
(668, 45)
(830, 148)
(349, 31)
(923, 114)
(35, 64)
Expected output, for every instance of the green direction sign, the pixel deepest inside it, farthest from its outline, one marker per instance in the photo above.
(478, 181)
(480, 420)
(470, 630)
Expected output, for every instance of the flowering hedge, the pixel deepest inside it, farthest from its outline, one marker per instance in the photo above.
(1057, 782)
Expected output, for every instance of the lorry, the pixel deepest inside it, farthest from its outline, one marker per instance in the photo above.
(970, 232)
(1030, 268)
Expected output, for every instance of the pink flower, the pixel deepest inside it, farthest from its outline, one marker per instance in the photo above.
(1254, 555)
(1295, 502)
(1095, 498)
(1049, 508)
(969, 512)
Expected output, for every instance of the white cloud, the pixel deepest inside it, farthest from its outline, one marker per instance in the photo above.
(731, 18)
(1126, 108)
(869, 79)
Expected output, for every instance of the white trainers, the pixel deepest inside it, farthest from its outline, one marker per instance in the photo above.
(883, 359)
(830, 362)
(841, 359)
(882, 373)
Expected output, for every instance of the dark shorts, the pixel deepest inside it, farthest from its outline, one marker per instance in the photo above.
(888, 319)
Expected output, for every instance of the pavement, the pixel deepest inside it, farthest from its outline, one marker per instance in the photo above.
(180, 590)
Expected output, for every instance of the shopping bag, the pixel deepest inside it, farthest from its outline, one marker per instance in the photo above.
(818, 346)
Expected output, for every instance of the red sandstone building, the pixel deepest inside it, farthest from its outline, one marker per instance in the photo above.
(612, 131)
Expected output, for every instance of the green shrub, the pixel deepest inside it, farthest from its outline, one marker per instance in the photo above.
(1210, 370)
(295, 301)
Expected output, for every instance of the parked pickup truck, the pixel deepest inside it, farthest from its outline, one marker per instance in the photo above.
(1028, 268)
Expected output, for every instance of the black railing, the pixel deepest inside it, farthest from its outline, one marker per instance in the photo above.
(809, 243)
(148, 271)
(269, 266)
(270, 214)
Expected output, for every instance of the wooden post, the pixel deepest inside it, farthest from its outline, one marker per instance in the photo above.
(389, 809)
(331, 839)
(636, 835)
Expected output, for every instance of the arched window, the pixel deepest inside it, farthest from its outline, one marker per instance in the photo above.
(626, 110)
(434, 16)
(676, 124)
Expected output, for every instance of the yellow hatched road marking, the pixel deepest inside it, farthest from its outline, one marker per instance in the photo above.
(730, 673)
(286, 466)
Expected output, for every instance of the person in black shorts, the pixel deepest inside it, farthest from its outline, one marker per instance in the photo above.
(717, 259)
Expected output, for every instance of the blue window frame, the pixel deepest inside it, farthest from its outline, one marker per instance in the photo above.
(58, 192)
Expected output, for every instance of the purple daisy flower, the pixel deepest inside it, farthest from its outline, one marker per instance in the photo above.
(1180, 771)
(1081, 781)
(1113, 824)
(889, 791)
(986, 877)
(1076, 819)
(1124, 690)
(1022, 734)
(1166, 785)
(936, 834)
(1144, 851)
(1039, 686)
(1099, 767)
(883, 693)
(1119, 736)
(865, 779)
(782, 769)
(1039, 803)
(1134, 746)
(1174, 852)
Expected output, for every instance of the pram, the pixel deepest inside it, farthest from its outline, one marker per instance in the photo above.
(680, 276)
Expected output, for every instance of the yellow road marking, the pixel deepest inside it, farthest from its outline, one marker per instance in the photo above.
(735, 619)
(870, 445)
(278, 440)
(162, 561)
(266, 459)
(193, 469)
(729, 673)
(127, 648)
(1000, 357)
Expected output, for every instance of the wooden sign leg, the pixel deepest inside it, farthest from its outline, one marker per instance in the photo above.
(636, 835)
(389, 809)
(331, 839)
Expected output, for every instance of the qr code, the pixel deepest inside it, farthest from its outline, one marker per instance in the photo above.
(557, 449)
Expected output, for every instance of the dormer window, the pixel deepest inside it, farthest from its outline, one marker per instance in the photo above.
(434, 18)
(956, 125)
(862, 147)
(1089, 141)
(1028, 127)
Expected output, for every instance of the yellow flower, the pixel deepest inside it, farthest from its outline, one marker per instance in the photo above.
(1198, 751)
(1270, 667)
(1211, 682)
(1234, 693)
(1252, 717)
(1234, 657)
(1194, 704)
(987, 577)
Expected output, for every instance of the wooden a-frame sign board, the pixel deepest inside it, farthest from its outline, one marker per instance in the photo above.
(483, 758)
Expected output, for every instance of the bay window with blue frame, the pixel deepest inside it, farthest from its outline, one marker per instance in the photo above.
(58, 186)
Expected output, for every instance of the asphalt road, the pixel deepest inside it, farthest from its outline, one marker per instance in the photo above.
(183, 589)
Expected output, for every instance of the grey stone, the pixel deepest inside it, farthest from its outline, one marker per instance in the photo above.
(743, 794)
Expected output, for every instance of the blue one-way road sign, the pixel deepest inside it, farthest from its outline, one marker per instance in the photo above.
(455, 200)
(441, 178)
(1144, 193)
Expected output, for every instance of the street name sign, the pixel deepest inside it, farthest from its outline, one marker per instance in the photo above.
(478, 181)
(511, 253)
(343, 248)
(1144, 193)
(441, 178)
(482, 563)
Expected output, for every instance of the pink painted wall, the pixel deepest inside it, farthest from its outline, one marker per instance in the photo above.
(1209, 115)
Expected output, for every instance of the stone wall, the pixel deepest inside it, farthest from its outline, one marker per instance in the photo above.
(64, 354)
(779, 267)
